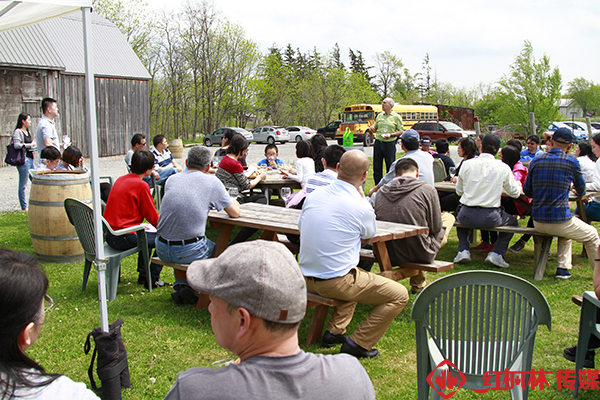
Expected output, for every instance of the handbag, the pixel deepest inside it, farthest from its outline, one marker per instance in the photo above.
(13, 156)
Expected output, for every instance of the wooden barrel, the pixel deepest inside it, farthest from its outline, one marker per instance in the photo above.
(176, 147)
(53, 237)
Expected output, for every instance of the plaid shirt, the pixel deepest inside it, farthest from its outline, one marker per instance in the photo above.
(549, 182)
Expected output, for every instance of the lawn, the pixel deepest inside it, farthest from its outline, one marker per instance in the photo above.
(163, 338)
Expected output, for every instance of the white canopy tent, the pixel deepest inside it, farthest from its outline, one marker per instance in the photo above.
(15, 14)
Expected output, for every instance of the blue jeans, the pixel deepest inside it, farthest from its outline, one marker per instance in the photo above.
(592, 211)
(200, 250)
(383, 151)
(23, 177)
(126, 242)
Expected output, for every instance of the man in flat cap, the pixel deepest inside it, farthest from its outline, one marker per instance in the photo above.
(548, 183)
(480, 185)
(258, 298)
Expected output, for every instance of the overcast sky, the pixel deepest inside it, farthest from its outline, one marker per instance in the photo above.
(468, 41)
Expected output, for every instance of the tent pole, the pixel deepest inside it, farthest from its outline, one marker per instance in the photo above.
(100, 262)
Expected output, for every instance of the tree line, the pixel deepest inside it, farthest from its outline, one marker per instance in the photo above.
(206, 74)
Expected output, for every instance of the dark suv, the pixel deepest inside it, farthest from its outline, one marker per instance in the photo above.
(329, 130)
(441, 129)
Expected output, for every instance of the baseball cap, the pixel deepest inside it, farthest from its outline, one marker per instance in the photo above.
(426, 141)
(410, 135)
(260, 276)
(492, 139)
(563, 135)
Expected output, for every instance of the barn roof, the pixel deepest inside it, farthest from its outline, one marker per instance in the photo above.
(57, 44)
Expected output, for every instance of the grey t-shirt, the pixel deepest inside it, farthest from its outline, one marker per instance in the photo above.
(301, 376)
(188, 198)
(128, 157)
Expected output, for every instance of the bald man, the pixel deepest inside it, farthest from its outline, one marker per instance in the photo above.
(330, 234)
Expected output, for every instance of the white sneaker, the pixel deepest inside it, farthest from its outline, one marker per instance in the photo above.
(497, 260)
(464, 255)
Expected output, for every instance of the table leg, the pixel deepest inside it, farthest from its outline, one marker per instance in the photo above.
(540, 259)
(584, 218)
(383, 258)
(223, 238)
(269, 235)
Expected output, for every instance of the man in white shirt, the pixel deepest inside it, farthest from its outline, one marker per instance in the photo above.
(164, 163)
(410, 142)
(330, 241)
(45, 134)
(330, 160)
(480, 184)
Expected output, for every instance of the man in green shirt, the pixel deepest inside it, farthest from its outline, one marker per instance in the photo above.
(387, 127)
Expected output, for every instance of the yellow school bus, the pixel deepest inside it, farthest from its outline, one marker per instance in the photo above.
(359, 117)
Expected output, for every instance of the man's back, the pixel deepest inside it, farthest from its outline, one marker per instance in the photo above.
(411, 201)
(301, 376)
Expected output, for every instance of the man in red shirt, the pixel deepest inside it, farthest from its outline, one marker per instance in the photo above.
(129, 203)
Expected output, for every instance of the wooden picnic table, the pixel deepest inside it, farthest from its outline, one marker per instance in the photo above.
(275, 220)
(276, 181)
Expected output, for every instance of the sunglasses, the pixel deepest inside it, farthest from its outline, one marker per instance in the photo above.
(48, 303)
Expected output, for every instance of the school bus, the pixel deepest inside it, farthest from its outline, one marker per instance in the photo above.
(359, 117)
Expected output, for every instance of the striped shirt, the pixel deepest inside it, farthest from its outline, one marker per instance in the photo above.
(549, 182)
(321, 179)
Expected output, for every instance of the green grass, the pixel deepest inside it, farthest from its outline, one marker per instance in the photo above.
(163, 338)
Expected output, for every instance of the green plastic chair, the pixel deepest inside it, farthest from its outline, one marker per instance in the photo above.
(480, 321)
(439, 170)
(587, 326)
(82, 218)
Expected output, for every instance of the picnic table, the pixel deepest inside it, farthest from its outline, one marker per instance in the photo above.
(276, 181)
(275, 220)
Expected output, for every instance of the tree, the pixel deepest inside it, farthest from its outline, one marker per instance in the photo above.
(389, 68)
(358, 66)
(531, 86)
(586, 94)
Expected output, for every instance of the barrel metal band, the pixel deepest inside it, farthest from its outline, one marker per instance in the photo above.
(60, 183)
(60, 259)
(54, 238)
(54, 203)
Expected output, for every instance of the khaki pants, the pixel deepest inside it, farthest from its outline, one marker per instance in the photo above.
(388, 297)
(574, 229)
(419, 281)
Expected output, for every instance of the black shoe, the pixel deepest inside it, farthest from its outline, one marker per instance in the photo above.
(176, 298)
(332, 339)
(349, 347)
(571, 352)
(517, 247)
(188, 295)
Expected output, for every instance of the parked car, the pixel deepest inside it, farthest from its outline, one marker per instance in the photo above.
(329, 130)
(299, 133)
(442, 129)
(271, 134)
(216, 136)
(513, 131)
(579, 132)
(595, 125)
(583, 126)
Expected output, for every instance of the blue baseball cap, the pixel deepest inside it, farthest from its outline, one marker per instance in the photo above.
(564, 135)
(410, 135)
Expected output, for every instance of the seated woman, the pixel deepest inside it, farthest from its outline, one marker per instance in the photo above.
(129, 203)
(592, 209)
(587, 159)
(231, 173)
(49, 159)
(319, 144)
(467, 149)
(23, 305)
(71, 160)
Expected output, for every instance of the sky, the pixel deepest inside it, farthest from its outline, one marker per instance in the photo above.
(468, 42)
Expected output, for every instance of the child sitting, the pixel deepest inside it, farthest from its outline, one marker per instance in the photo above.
(305, 168)
(271, 161)
(50, 158)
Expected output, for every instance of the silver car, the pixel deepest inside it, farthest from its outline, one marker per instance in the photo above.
(271, 134)
(216, 136)
(299, 133)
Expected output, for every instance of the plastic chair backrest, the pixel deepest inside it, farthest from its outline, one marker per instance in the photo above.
(481, 321)
(439, 170)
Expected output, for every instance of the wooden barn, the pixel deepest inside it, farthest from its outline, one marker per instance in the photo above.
(46, 60)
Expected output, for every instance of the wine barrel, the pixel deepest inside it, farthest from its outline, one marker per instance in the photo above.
(53, 237)
(176, 148)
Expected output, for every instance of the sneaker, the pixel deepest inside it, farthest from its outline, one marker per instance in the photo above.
(497, 260)
(588, 362)
(464, 255)
(481, 246)
(562, 273)
(489, 249)
(517, 247)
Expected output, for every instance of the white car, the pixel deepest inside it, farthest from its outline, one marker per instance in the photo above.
(577, 131)
(583, 126)
(271, 134)
(299, 133)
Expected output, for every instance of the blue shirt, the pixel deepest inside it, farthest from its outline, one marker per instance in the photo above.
(265, 162)
(549, 182)
(526, 155)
